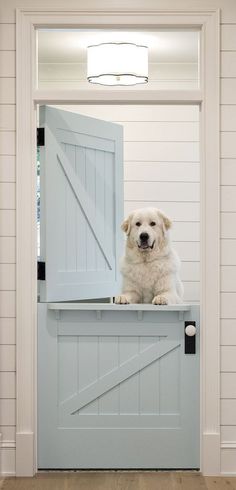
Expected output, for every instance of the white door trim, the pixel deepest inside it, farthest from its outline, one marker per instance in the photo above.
(26, 297)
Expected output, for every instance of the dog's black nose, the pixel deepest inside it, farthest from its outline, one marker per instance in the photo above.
(144, 237)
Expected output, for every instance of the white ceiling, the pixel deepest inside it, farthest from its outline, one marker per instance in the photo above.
(69, 46)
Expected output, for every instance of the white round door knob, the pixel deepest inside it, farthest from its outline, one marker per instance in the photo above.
(190, 330)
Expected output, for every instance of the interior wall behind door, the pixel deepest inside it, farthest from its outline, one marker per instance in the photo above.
(161, 169)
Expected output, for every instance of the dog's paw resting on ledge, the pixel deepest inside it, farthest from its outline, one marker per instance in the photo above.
(122, 300)
(160, 300)
(150, 266)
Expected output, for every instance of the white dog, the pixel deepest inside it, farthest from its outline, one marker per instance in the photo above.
(150, 266)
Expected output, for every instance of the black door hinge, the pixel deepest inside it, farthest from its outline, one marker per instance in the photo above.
(40, 137)
(41, 271)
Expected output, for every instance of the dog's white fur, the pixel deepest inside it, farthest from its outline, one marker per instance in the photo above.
(150, 272)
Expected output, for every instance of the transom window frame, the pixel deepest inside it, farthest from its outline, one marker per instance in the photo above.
(207, 97)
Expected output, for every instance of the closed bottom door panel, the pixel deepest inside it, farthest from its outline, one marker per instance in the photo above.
(116, 389)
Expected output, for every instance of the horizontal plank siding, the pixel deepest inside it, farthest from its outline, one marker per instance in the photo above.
(7, 250)
(161, 172)
(228, 255)
(7, 64)
(228, 247)
(228, 412)
(228, 433)
(7, 222)
(7, 412)
(7, 384)
(7, 277)
(7, 195)
(7, 244)
(7, 91)
(7, 168)
(148, 112)
(174, 191)
(7, 358)
(7, 331)
(177, 210)
(228, 225)
(228, 332)
(228, 171)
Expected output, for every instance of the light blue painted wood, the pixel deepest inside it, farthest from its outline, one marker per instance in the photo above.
(81, 206)
(116, 390)
(115, 307)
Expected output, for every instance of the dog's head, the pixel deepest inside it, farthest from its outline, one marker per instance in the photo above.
(147, 229)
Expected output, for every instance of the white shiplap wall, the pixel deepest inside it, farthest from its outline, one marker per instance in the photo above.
(7, 246)
(228, 214)
(228, 247)
(161, 169)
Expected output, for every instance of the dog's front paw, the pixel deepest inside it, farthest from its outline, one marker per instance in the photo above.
(121, 300)
(160, 300)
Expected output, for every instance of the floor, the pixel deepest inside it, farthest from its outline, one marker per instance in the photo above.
(119, 481)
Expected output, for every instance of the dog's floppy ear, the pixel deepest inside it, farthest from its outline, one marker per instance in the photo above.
(126, 225)
(166, 221)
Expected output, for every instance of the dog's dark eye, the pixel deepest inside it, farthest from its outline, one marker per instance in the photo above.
(138, 223)
(152, 223)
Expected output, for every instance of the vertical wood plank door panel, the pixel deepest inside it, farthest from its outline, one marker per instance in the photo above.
(81, 206)
(116, 389)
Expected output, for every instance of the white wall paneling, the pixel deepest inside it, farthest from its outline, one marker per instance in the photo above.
(178, 211)
(7, 412)
(7, 222)
(228, 64)
(7, 331)
(228, 91)
(228, 115)
(8, 37)
(228, 144)
(228, 331)
(7, 250)
(228, 225)
(228, 305)
(228, 412)
(228, 434)
(7, 143)
(228, 37)
(7, 304)
(228, 255)
(228, 278)
(7, 195)
(7, 64)
(7, 117)
(228, 171)
(7, 90)
(7, 168)
(7, 358)
(7, 277)
(7, 384)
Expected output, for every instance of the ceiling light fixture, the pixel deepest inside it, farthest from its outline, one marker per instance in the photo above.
(117, 64)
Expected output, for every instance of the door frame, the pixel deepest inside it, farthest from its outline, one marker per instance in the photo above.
(27, 20)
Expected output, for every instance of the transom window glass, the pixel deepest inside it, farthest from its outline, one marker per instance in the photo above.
(173, 58)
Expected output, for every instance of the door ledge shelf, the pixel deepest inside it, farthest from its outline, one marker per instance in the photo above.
(112, 306)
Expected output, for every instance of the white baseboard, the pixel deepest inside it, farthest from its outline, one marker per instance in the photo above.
(210, 454)
(25, 454)
(7, 461)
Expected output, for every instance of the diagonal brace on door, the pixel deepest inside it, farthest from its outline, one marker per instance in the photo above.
(84, 201)
(117, 376)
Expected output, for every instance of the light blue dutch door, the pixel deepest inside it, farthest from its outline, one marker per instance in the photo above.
(118, 386)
